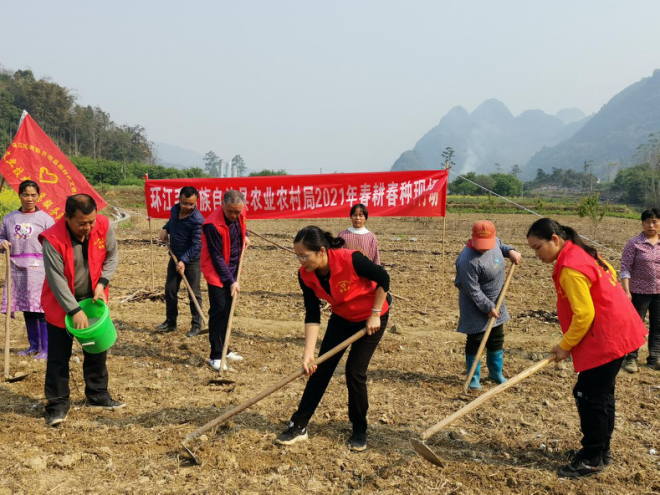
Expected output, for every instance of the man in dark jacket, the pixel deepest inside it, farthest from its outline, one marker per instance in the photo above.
(185, 231)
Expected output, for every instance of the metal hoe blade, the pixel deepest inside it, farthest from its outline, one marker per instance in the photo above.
(16, 378)
(422, 449)
(192, 456)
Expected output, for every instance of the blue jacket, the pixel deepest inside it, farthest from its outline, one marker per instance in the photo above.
(479, 279)
(185, 235)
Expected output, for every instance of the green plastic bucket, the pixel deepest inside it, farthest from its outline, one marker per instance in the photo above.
(101, 334)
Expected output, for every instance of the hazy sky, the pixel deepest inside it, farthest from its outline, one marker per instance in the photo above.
(341, 85)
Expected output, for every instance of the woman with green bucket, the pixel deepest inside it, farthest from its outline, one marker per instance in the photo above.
(80, 258)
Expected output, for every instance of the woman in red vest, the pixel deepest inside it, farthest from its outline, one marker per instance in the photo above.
(600, 326)
(356, 289)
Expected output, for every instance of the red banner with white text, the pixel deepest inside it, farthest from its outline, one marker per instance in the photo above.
(34, 156)
(419, 193)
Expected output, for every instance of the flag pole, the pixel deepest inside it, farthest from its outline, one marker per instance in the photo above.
(444, 234)
(23, 115)
(151, 250)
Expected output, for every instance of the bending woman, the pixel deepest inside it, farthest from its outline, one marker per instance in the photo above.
(600, 326)
(356, 289)
(19, 233)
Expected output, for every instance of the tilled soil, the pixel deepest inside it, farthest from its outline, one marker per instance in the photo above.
(515, 443)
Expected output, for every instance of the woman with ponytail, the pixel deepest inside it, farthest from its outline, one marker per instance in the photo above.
(599, 325)
(356, 289)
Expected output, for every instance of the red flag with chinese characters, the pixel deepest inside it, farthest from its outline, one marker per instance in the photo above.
(34, 156)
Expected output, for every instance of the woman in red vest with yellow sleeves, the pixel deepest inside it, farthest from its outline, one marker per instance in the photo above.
(600, 326)
(356, 289)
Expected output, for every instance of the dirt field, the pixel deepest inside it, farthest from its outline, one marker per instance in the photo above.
(513, 444)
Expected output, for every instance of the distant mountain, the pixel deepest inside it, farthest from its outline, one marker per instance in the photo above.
(488, 136)
(612, 135)
(174, 156)
(569, 115)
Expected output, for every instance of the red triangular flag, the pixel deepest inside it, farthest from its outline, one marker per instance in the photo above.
(34, 156)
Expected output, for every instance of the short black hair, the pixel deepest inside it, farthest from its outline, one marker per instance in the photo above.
(188, 192)
(363, 208)
(79, 202)
(28, 183)
(650, 213)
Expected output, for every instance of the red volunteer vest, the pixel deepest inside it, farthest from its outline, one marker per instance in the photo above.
(217, 218)
(617, 328)
(58, 236)
(352, 296)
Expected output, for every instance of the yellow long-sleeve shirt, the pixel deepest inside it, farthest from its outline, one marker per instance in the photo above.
(577, 287)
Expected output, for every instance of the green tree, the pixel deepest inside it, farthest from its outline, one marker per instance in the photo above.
(239, 163)
(212, 164)
(266, 172)
(461, 186)
(507, 185)
(592, 208)
(649, 154)
(588, 177)
(515, 170)
(448, 156)
(485, 181)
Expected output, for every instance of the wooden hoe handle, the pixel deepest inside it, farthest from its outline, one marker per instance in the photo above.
(491, 322)
(225, 346)
(185, 281)
(488, 395)
(7, 316)
(277, 386)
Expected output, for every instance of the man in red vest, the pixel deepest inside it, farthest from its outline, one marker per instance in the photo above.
(80, 259)
(223, 241)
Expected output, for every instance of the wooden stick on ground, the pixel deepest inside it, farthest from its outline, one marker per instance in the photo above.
(272, 242)
(285, 381)
(491, 322)
(190, 291)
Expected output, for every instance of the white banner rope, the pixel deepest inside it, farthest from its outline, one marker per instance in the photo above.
(529, 211)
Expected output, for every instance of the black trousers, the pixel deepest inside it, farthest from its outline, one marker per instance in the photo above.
(649, 303)
(220, 301)
(95, 372)
(495, 340)
(594, 397)
(193, 274)
(357, 363)
(34, 316)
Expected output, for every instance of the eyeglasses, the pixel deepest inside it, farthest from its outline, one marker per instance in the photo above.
(302, 259)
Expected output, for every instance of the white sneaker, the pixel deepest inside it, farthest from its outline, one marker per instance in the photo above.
(216, 363)
(232, 356)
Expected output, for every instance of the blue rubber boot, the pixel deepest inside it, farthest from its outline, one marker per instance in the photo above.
(494, 361)
(474, 383)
